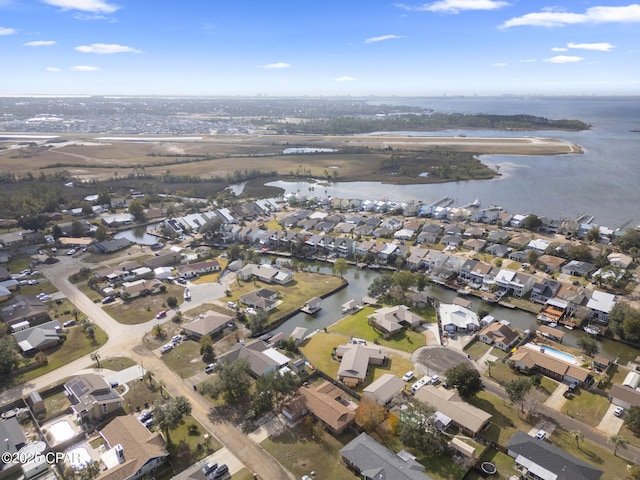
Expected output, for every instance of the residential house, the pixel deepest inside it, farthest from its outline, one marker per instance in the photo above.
(618, 259)
(429, 233)
(263, 298)
(118, 219)
(325, 403)
(38, 338)
(91, 397)
(384, 389)
(110, 246)
(454, 318)
(355, 360)
(416, 259)
(24, 308)
(265, 273)
(517, 221)
(474, 232)
(578, 268)
(538, 245)
(600, 304)
(534, 358)
(497, 235)
(544, 290)
(537, 459)
(550, 263)
(500, 335)
(391, 320)
(209, 323)
(475, 244)
(141, 288)
(444, 265)
(373, 461)
(13, 439)
(193, 270)
(262, 358)
(518, 256)
(498, 250)
(465, 416)
(550, 333)
(520, 240)
(624, 396)
(514, 283)
(165, 258)
(132, 451)
(451, 240)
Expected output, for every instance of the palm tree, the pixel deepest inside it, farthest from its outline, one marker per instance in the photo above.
(95, 357)
(161, 386)
(618, 441)
(489, 364)
(148, 376)
(578, 436)
(158, 331)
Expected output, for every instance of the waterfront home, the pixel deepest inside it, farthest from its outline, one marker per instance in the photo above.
(372, 461)
(265, 273)
(499, 334)
(550, 333)
(262, 358)
(355, 359)
(111, 246)
(312, 305)
(263, 298)
(132, 451)
(517, 220)
(600, 304)
(325, 403)
(463, 415)
(553, 311)
(557, 366)
(455, 318)
(544, 290)
(209, 323)
(193, 270)
(541, 460)
(416, 260)
(618, 259)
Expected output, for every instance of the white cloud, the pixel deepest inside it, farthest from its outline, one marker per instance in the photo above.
(84, 68)
(601, 47)
(96, 6)
(381, 38)
(345, 78)
(84, 16)
(275, 66)
(40, 43)
(529, 60)
(564, 59)
(106, 48)
(455, 6)
(500, 64)
(560, 18)
(52, 69)
(7, 31)
(559, 49)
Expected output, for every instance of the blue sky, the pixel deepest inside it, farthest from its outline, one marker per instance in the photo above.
(322, 47)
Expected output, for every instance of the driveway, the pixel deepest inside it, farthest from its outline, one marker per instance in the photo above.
(556, 400)
(610, 424)
(437, 360)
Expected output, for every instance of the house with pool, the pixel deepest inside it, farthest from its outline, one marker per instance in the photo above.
(553, 363)
(91, 397)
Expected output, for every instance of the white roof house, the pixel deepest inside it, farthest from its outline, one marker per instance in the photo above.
(632, 380)
(601, 301)
(455, 317)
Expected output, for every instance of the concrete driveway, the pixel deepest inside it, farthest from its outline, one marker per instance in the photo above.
(610, 424)
(437, 360)
(557, 400)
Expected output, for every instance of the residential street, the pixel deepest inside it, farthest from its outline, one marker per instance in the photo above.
(125, 340)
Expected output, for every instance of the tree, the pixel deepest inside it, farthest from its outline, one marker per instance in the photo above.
(532, 222)
(148, 377)
(257, 321)
(490, 363)
(467, 380)
(632, 420)
(101, 233)
(631, 328)
(593, 235)
(588, 345)
(95, 357)
(9, 358)
(618, 441)
(370, 415)
(380, 285)
(33, 222)
(77, 229)
(136, 208)
(158, 331)
(233, 381)
(532, 257)
(578, 436)
(517, 390)
(56, 231)
(169, 413)
(416, 429)
(172, 301)
(629, 239)
(206, 349)
(211, 227)
(404, 279)
(340, 267)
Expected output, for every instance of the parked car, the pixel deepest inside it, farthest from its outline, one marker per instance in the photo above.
(148, 423)
(144, 416)
(182, 281)
(113, 384)
(166, 348)
(210, 368)
(231, 304)
(219, 472)
(435, 380)
(408, 376)
(619, 411)
(176, 339)
(108, 299)
(209, 468)
(541, 435)
(69, 323)
(71, 252)
(161, 314)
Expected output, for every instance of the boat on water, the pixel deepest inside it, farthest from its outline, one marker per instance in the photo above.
(553, 325)
(463, 291)
(591, 330)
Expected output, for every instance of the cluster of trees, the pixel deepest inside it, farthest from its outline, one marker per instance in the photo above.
(624, 321)
(348, 125)
(392, 287)
(523, 392)
(170, 412)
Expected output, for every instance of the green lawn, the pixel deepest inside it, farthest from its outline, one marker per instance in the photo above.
(243, 474)
(587, 407)
(116, 364)
(298, 452)
(90, 292)
(506, 417)
(199, 445)
(185, 359)
(143, 309)
(75, 346)
(139, 396)
(356, 325)
(477, 349)
(501, 373)
(503, 462)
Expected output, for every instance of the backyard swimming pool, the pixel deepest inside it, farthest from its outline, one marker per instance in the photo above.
(567, 357)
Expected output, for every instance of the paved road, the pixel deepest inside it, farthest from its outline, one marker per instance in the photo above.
(125, 340)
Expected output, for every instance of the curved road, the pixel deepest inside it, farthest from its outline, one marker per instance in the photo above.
(126, 340)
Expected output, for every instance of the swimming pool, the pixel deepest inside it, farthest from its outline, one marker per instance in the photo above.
(567, 357)
(78, 457)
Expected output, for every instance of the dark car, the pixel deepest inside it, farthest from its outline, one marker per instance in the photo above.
(143, 417)
(219, 472)
(209, 468)
(108, 299)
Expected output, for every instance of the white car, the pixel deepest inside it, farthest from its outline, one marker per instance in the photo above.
(408, 376)
(618, 411)
(541, 435)
(166, 348)
(71, 252)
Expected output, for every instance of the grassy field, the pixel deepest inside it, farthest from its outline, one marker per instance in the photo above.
(357, 325)
(301, 454)
(117, 364)
(90, 292)
(587, 407)
(185, 359)
(143, 309)
(503, 462)
(477, 349)
(506, 417)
